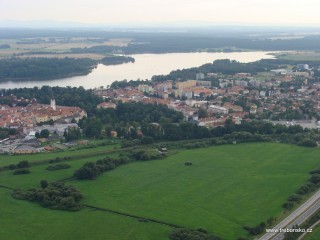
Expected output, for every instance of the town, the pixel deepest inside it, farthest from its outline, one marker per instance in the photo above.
(288, 96)
(28, 119)
(281, 96)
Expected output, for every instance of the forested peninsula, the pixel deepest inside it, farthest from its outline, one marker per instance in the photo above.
(26, 69)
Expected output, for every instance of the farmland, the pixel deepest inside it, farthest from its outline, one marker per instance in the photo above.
(226, 188)
(57, 47)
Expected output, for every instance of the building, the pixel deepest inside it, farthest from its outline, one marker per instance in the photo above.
(186, 84)
(218, 109)
(199, 76)
(301, 74)
(113, 134)
(106, 105)
(211, 122)
(24, 149)
(302, 67)
(145, 88)
(204, 83)
(241, 83)
(53, 104)
(242, 75)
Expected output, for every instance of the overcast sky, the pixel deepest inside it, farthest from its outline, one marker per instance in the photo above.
(110, 12)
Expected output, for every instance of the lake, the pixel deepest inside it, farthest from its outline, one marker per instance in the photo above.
(144, 67)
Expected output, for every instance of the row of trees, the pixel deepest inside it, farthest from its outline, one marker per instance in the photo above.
(93, 170)
(310, 186)
(188, 234)
(59, 166)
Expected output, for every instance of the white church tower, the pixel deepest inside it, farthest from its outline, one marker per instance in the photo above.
(53, 101)
(53, 104)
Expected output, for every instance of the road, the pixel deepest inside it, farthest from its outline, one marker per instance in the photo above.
(297, 217)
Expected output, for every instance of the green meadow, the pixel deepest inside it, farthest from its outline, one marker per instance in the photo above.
(14, 159)
(226, 188)
(315, 235)
(22, 220)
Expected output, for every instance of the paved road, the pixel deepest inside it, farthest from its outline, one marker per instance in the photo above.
(299, 216)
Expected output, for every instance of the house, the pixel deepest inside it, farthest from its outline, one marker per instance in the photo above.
(218, 109)
(24, 149)
(105, 105)
(113, 134)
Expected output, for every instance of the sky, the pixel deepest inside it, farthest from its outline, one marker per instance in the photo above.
(148, 12)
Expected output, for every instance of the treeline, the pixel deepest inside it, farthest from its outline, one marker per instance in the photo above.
(6, 132)
(114, 60)
(152, 122)
(92, 170)
(230, 67)
(58, 167)
(44, 68)
(55, 195)
(187, 42)
(185, 131)
(306, 225)
(65, 96)
(4, 46)
(310, 186)
(188, 234)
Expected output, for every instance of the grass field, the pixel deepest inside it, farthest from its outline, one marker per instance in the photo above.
(22, 220)
(315, 235)
(38, 173)
(13, 159)
(226, 188)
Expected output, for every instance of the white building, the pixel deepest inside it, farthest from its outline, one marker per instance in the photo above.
(218, 109)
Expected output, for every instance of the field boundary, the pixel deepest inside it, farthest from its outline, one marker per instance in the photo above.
(146, 219)
(6, 187)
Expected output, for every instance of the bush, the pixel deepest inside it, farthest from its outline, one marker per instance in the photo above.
(58, 167)
(147, 140)
(187, 234)
(294, 198)
(315, 178)
(257, 229)
(55, 196)
(288, 205)
(44, 184)
(93, 170)
(21, 171)
(12, 166)
(23, 164)
(307, 143)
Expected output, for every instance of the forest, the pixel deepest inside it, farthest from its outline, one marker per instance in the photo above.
(43, 68)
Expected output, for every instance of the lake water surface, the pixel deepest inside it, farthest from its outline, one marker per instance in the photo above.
(145, 66)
